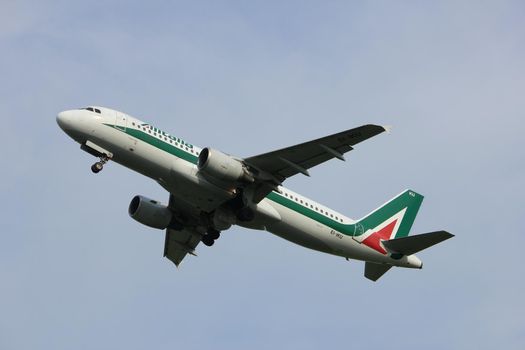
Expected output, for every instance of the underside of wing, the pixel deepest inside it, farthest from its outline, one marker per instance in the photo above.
(296, 159)
(182, 241)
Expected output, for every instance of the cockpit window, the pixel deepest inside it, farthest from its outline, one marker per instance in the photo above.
(91, 109)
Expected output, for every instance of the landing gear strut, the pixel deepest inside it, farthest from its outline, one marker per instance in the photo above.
(210, 237)
(98, 166)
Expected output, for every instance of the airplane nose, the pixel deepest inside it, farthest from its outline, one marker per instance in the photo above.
(64, 120)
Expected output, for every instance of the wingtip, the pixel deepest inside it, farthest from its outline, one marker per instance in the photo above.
(388, 128)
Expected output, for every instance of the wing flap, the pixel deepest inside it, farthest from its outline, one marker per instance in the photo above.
(180, 243)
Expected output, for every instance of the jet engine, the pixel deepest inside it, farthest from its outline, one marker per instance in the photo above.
(149, 212)
(217, 166)
(223, 219)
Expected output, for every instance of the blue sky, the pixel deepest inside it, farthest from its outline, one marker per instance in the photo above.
(246, 78)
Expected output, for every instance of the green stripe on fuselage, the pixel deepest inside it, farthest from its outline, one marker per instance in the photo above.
(273, 196)
(348, 230)
(160, 144)
(371, 221)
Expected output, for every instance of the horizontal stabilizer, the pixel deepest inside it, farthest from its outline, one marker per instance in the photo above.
(413, 244)
(373, 271)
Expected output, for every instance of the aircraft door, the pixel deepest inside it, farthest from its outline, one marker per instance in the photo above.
(121, 121)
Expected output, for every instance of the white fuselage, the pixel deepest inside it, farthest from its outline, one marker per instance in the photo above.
(177, 173)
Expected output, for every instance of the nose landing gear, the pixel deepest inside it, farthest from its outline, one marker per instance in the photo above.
(98, 166)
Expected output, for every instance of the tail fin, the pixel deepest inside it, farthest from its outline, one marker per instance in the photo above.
(393, 219)
(406, 246)
(386, 229)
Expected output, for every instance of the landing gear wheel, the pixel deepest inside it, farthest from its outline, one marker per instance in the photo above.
(213, 234)
(97, 167)
(207, 240)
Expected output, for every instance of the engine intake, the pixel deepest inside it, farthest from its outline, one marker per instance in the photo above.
(215, 165)
(149, 212)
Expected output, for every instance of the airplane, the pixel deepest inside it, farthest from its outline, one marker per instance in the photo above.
(209, 191)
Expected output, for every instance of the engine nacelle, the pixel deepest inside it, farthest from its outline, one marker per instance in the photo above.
(215, 165)
(223, 219)
(149, 212)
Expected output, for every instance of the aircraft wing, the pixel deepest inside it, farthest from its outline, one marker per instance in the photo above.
(180, 243)
(289, 161)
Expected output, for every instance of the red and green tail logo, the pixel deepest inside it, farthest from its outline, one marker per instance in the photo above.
(392, 220)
